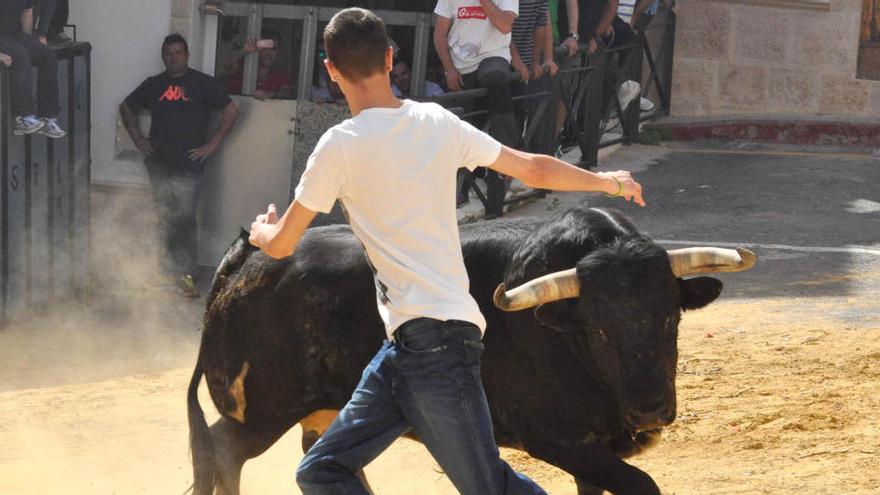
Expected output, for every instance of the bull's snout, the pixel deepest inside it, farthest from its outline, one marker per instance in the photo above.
(661, 416)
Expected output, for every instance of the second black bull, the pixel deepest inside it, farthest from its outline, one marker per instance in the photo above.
(580, 354)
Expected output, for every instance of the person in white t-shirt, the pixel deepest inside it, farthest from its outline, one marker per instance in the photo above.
(472, 39)
(425, 378)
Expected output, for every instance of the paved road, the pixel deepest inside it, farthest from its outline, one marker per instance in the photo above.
(812, 218)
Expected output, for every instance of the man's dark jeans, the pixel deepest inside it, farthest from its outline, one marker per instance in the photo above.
(25, 50)
(426, 381)
(52, 17)
(177, 199)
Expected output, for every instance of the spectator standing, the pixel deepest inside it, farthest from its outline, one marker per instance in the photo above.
(532, 50)
(18, 41)
(180, 100)
(401, 82)
(472, 39)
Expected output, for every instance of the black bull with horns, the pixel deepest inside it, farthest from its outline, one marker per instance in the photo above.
(580, 356)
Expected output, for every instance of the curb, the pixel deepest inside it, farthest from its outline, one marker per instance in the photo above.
(806, 131)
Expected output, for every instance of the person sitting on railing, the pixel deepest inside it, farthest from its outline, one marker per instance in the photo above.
(532, 51)
(401, 82)
(18, 41)
(596, 24)
(52, 18)
(617, 77)
(272, 82)
(472, 40)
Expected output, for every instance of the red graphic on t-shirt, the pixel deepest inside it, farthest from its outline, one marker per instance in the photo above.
(174, 93)
(471, 13)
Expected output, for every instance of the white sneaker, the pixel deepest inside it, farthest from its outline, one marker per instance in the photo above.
(628, 91)
(52, 129)
(27, 124)
(646, 105)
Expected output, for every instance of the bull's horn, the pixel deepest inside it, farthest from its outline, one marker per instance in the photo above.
(549, 288)
(692, 261)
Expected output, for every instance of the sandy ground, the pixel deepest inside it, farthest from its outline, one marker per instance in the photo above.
(775, 396)
(778, 385)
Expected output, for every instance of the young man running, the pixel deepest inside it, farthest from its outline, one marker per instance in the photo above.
(393, 167)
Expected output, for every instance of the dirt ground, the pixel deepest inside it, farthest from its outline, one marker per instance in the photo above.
(775, 396)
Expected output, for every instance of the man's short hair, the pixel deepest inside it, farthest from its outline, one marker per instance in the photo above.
(173, 39)
(356, 42)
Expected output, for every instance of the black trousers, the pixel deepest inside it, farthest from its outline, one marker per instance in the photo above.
(177, 200)
(25, 51)
(52, 16)
(494, 75)
(623, 69)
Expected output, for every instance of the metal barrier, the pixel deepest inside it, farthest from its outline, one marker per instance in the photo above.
(581, 86)
(44, 195)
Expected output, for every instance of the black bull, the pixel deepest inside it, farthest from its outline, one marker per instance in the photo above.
(581, 382)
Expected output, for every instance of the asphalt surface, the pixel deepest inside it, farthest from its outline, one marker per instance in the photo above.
(812, 218)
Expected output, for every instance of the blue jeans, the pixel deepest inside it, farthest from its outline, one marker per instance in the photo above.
(426, 381)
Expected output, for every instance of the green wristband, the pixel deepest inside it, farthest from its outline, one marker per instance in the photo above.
(619, 189)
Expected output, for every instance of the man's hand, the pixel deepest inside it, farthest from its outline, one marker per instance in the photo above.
(537, 72)
(627, 187)
(43, 39)
(144, 145)
(571, 44)
(201, 153)
(592, 46)
(5, 59)
(521, 69)
(551, 68)
(263, 95)
(259, 231)
(250, 46)
(453, 80)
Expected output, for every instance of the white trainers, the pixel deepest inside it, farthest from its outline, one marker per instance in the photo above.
(628, 91)
(646, 105)
(52, 129)
(27, 124)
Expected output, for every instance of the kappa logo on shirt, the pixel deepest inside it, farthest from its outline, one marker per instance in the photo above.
(471, 13)
(174, 93)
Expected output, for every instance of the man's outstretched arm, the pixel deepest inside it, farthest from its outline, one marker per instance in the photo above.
(546, 172)
(279, 238)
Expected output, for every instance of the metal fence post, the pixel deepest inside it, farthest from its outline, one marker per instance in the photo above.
(633, 71)
(252, 61)
(420, 57)
(592, 111)
(307, 54)
(668, 54)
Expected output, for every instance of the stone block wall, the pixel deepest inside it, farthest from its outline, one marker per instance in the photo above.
(746, 58)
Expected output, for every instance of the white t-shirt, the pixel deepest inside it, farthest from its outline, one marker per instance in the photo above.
(472, 37)
(394, 171)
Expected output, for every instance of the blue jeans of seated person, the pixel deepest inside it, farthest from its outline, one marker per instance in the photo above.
(426, 381)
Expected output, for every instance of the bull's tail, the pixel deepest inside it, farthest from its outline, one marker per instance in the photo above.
(204, 459)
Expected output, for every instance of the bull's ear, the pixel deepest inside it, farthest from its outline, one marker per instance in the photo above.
(559, 316)
(699, 292)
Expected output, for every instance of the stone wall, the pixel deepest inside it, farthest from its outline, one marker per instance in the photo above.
(740, 58)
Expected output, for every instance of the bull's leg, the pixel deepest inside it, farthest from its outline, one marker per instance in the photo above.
(314, 425)
(595, 465)
(234, 444)
(585, 488)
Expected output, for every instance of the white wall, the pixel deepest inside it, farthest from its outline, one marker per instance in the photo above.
(126, 37)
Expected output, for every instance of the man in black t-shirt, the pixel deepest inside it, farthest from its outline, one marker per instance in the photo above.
(181, 101)
(19, 43)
